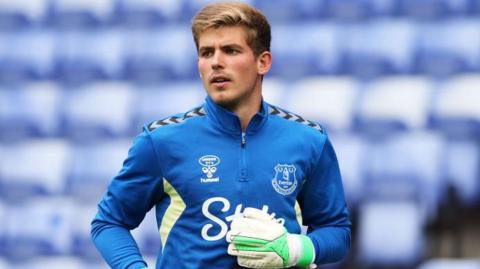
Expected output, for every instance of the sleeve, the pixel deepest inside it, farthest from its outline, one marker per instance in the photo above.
(324, 209)
(130, 195)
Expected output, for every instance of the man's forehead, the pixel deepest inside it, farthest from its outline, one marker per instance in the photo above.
(225, 35)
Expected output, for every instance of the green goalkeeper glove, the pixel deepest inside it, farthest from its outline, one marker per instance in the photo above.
(258, 240)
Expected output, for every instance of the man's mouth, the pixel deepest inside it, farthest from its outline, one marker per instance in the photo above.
(219, 80)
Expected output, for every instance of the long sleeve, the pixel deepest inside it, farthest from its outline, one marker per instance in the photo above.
(130, 195)
(324, 209)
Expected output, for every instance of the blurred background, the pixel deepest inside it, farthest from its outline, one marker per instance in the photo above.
(395, 82)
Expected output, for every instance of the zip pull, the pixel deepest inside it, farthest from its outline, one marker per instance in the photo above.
(244, 140)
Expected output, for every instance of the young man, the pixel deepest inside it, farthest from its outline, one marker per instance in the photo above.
(234, 180)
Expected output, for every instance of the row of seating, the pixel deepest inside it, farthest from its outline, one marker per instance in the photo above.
(78, 13)
(369, 49)
(119, 109)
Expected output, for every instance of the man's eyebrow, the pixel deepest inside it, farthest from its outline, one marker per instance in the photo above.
(229, 45)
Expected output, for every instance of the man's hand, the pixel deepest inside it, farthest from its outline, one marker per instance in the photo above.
(260, 241)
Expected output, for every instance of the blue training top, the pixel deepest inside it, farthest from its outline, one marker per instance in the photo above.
(198, 170)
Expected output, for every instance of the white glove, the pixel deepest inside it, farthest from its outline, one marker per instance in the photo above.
(260, 241)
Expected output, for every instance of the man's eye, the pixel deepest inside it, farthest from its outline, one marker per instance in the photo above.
(206, 54)
(231, 51)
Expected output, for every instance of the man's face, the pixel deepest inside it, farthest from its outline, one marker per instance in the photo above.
(230, 72)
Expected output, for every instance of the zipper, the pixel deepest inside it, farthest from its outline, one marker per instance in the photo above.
(243, 158)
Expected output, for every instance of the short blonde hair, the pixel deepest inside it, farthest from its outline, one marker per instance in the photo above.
(221, 14)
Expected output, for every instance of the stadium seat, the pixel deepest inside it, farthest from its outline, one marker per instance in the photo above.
(448, 47)
(284, 11)
(147, 13)
(396, 103)
(29, 111)
(317, 53)
(378, 48)
(162, 54)
(450, 263)
(56, 262)
(191, 7)
(97, 110)
(274, 91)
(462, 170)
(435, 9)
(390, 234)
(328, 100)
(83, 56)
(82, 245)
(455, 110)
(408, 165)
(81, 13)
(18, 14)
(4, 264)
(351, 149)
(33, 168)
(38, 227)
(26, 55)
(158, 101)
(3, 216)
(93, 166)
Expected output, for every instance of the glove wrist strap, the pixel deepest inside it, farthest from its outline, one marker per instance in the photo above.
(307, 254)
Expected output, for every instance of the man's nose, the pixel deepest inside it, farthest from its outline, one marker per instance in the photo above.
(217, 60)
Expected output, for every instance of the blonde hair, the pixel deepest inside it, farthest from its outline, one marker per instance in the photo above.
(221, 14)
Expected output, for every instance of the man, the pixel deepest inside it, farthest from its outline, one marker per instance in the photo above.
(232, 181)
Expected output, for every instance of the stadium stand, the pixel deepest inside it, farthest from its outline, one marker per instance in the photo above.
(329, 100)
(394, 82)
(30, 110)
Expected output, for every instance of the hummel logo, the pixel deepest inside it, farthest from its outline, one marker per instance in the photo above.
(209, 167)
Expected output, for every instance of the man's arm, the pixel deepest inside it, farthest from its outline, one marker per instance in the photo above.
(324, 209)
(130, 195)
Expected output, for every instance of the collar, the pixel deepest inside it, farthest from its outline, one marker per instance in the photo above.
(230, 122)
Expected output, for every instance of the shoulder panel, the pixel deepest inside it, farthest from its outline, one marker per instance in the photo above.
(272, 110)
(196, 112)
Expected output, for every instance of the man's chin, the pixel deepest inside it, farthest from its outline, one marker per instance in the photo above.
(225, 102)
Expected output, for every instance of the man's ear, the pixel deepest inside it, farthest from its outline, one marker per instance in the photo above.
(264, 62)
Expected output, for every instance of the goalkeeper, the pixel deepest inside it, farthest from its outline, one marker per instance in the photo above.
(234, 180)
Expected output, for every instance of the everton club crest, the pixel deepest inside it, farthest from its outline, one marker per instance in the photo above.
(284, 181)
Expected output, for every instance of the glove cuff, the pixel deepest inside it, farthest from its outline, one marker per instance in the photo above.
(307, 254)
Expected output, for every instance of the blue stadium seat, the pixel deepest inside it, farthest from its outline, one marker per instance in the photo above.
(3, 216)
(349, 9)
(191, 7)
(82, 245)
(29, 111)
(450, 263)
(81, 13)
(38, 227)
(55, 262)
(328, 100)
(351, 150)
(4, 264)
(462, 170)
(19, 14)
(158, 101)
(431, 9)
(274, 91)
(317, 53)
(398, 103)
(448, 47)
(409, 165)
(83, 56)
(377, 48)
(97, 110)
(26, 55)
(390, 234)
(149, 12)
(93, 166)
(284, 11)
(163, 54)
(33, 167)
(455, 110)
